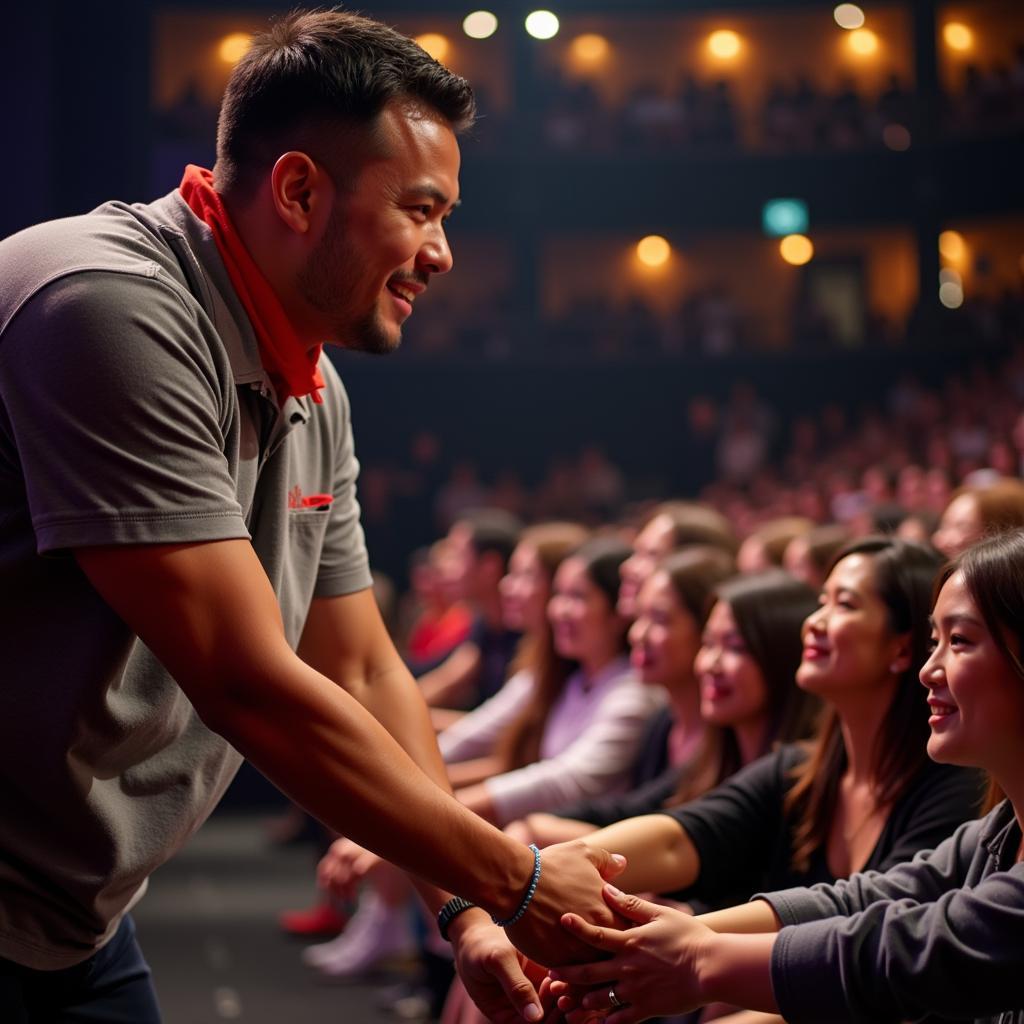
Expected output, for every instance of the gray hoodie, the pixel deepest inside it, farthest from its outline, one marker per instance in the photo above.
(941, 936)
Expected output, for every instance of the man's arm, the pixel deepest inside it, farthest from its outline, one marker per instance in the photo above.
(208, 612)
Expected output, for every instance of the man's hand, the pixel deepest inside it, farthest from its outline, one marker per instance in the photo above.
(343, 867)
(652, 969)
(501, 982)
(572, 878)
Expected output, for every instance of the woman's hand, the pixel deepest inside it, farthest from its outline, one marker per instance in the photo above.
(343, 867)
(652, 970)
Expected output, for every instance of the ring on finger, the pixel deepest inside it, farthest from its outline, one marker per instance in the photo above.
(614, 1000)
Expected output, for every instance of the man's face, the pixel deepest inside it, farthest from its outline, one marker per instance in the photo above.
(386, 233)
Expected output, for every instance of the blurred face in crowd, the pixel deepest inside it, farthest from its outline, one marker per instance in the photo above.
(848, 643)
(525, 590)
(584, 625)
(975, 696)
(733, 691)
(797, 561)
(753, 556)
(651, 545)
(960, 527)
(664, 637)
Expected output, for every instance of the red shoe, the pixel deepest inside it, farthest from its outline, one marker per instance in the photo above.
(323, 919)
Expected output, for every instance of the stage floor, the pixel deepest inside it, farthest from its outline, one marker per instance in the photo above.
(208, 927)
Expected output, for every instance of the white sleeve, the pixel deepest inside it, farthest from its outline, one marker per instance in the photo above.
(475, 734)
(598, 761)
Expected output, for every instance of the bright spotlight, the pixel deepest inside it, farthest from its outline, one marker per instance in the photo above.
(958, 36)
(542, 24)
(480, 25)
(435, 44)
(232, 48)
(952, 246)
(590, 48)
(848, 16)
(653, 251)
(951, 295)
(724, 44)
(796, 249)
(863, 42)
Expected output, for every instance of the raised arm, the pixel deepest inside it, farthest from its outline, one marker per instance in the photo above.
(660, 857)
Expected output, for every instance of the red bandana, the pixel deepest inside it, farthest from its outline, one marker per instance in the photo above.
(292, 369)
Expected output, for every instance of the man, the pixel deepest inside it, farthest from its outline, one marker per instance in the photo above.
(181, 562)
(478, 548)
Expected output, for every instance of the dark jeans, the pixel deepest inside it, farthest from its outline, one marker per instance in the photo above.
(112, 987)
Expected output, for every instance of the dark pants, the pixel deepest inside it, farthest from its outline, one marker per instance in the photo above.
(111, 987)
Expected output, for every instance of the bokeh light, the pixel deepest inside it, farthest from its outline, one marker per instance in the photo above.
(653, 251)
(896, 137)
(480, 25)
(233, 47)
(724, 44)
(435, 44)
(796, 249)
(848, 16)
(952, 246)
(590, 48)
(863, 42)
(542, 24)
(951, 294)
(958, 36)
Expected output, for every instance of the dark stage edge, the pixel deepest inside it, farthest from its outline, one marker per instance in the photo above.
(208, 927)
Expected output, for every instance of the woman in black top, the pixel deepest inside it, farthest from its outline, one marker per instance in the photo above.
(861, 794)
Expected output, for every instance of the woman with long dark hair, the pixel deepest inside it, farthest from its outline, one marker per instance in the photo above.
(727, 657)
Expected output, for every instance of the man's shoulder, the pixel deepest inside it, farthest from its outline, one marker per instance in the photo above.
(116, 238)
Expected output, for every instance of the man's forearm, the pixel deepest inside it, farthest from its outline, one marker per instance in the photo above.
(357, 778)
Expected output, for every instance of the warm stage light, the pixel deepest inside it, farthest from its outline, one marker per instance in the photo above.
(796, 249)
(896, 137)
(957, 36)
(589, 48)
(951, 295)
(542, 24)
(724, 44)
(480, 25)
(232, 48)
(863, 42)
(848, 16)
(435, 44)
(653, 251)
(952, 246)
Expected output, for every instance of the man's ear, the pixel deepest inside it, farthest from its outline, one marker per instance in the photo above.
(300, 189)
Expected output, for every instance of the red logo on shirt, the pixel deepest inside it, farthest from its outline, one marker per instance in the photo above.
(296, 499)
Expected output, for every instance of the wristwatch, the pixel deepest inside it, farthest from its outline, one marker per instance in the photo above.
(451, 910)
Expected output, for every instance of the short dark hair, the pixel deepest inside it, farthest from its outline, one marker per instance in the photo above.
(313, 69)
(492, 530)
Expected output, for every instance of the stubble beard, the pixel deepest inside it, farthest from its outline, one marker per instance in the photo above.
(322, 284)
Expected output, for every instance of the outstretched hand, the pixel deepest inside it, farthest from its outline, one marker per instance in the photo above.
(647, 970)
(506, 987)
(572, 876)
(343, 867)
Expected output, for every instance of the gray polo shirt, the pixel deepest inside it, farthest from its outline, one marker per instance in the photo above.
(133, 410)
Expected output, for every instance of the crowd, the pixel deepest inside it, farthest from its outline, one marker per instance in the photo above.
(685, 682)
(686, 693)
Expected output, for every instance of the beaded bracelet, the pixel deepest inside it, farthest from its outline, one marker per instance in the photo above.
(529, 892)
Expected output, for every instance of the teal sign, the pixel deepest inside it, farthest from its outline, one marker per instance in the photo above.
(784, 217)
